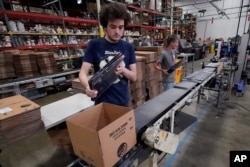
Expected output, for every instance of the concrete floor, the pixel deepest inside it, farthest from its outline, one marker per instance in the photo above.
(206, 143)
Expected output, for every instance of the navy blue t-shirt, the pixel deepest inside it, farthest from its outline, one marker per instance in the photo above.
(98, 53)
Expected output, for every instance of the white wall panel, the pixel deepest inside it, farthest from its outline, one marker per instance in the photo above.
(221, 27)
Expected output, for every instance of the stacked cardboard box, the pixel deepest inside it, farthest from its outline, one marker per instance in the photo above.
(152, 75)
(157, 49)
(157, 79)
(25, 65)
(46, 62)
(6, 64)
(19, 118)
(138, 89)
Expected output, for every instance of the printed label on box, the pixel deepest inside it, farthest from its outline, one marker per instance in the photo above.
(5, 110)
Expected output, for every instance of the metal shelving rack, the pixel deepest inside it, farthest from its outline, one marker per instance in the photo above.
(43, 81)
(153, 28)
(15, 85)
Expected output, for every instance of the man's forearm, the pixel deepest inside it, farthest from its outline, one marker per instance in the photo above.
(131, 75)
(84, 79)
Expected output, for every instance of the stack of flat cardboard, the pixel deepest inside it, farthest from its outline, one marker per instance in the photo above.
(6, 64)
(46, 62)
(25, 65)
(138, 89)
(19, 118)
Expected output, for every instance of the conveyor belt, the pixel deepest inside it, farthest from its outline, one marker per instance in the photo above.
(156, 108)
(186, 85)
(200, 76)
(150, 111)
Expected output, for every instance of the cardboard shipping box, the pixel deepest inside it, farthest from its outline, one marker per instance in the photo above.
(102, 134)
(150, 56)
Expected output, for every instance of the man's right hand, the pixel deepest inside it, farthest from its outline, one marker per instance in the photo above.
(91, 93)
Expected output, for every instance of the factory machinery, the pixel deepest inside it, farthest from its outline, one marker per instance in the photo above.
(155, 119)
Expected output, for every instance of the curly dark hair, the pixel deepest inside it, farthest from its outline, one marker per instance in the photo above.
(113, 11)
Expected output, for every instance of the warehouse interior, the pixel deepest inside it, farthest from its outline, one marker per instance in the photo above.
(204, 117)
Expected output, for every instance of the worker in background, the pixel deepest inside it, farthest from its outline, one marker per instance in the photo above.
(114, 18)
(145, 41)
(166, 60)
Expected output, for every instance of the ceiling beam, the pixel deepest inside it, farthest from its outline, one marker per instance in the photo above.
(197, 3)
(219, 11)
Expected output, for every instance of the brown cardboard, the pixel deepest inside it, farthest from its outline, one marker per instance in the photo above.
(102, 134)
(18, 104)
(149, 48)
(137, 85)
(138, 102)
(150, 68)
(19, 118)
(140, 67)
(150, 56)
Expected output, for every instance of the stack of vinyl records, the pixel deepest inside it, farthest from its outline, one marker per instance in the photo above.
(7, 70)
(25, 65)
(105, 77)
(19, 118)
(46, 63)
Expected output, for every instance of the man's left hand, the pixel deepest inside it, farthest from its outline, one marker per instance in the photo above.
(120, 68)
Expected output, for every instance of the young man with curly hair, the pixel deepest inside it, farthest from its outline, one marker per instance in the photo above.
(114, 18)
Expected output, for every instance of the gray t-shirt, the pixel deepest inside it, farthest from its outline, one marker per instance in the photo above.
(167, 60)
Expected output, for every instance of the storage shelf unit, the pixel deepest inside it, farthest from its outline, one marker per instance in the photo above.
(45, 17)
(15, 84)
(158, 33)
(149, 11)
(43, 47)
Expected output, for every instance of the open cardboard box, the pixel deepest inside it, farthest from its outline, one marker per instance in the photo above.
(102, 134)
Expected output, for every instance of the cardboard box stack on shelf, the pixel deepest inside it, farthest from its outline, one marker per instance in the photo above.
(46, 62)
(7, 70)
(19, 118)
(138, 88)
(21, 64)
(25, 65)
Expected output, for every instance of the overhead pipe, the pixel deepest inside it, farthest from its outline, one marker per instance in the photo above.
(49, 3)
(219, 10)
(197, 3)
